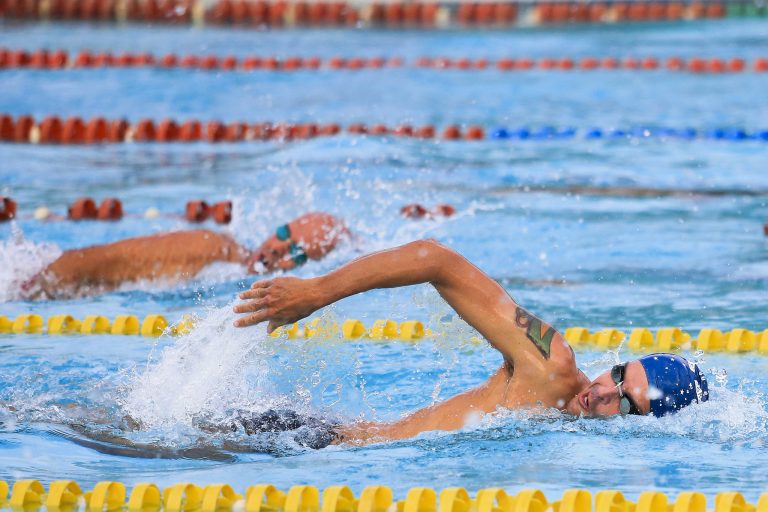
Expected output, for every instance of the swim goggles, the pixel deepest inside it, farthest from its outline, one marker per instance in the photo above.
(626, 404)
(298, 255)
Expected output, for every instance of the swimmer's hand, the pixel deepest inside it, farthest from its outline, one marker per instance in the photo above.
(280, 301)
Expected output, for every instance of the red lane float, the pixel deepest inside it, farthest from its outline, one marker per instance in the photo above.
(328, 130)
(145, 131)
(167, 131)
(418, 211)
(414, 211)
(7, 128)
(111, 209)
(475, 133)
(73, 131)
(390, 13)
(59, 59)
(190, 131)
(51, 130)
(214, 132)
(83, 209)
(198, 211)
(23, 129)
(452, 132)
(445, 210)
(98, 130)
(425, 132)
(7, 208)
(118, 129)
(222, 212)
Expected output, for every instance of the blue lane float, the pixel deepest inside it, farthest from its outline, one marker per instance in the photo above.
(549, 132)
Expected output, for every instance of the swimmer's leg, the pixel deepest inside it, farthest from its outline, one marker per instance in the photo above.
(112, 444)
(311, 432)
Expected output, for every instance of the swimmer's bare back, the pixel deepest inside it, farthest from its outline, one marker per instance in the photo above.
(177, 255)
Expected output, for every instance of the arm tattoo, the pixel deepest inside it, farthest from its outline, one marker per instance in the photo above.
(538, 332)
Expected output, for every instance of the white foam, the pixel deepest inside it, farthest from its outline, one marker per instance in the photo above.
(20, 260)
(209, 373)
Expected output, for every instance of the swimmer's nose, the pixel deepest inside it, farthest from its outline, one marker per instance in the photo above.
(603, 394)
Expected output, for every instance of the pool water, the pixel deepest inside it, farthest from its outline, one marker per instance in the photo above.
(576, 259)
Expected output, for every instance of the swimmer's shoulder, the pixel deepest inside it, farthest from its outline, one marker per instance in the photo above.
(205, 236)
(562, 358)
(218, 245)
(202, 234)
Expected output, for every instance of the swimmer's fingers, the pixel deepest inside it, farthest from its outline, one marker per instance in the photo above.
(252, 306)
(253, 319)
(253, 293)
(261, 284)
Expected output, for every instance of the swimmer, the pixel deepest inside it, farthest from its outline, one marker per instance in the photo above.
(539, 368)
(180, 255)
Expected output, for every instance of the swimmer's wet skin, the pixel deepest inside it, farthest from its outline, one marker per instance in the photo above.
(181, 255)
(539, 368)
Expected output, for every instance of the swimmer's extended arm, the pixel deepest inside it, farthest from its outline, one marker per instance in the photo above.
(178, 254)
(523, 339)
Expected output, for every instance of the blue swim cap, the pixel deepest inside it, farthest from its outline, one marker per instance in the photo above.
(679, 382)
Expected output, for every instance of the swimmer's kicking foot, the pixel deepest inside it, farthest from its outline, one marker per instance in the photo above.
(181, 255)
(539, 368)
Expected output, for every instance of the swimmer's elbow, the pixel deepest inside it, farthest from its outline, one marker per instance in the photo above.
(429, 250)
(435, 257)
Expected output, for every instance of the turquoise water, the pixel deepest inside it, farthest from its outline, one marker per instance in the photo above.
(576, 259)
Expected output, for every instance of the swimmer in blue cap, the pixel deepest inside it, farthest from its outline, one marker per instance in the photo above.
(538, 369)
(661, 384)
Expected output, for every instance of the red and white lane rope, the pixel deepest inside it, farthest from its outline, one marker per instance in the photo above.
(61, 59)
(390, 13)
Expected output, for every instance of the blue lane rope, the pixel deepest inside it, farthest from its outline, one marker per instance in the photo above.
(640, 132)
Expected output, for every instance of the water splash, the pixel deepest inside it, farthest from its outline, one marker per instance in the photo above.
(211, 373)
(256, 215)
(20, 260)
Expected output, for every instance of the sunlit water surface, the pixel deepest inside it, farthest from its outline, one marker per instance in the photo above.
(593, 261)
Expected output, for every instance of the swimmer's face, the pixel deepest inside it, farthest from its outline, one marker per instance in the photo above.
(272, 255)
(602, 397)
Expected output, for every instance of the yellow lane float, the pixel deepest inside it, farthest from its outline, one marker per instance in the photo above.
(665, 339)
(187, 497)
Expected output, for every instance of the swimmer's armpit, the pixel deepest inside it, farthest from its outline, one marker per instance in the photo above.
(539, 333)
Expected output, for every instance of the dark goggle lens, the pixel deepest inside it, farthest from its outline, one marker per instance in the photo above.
(624, 406)
(283, 233)
(617, 374)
